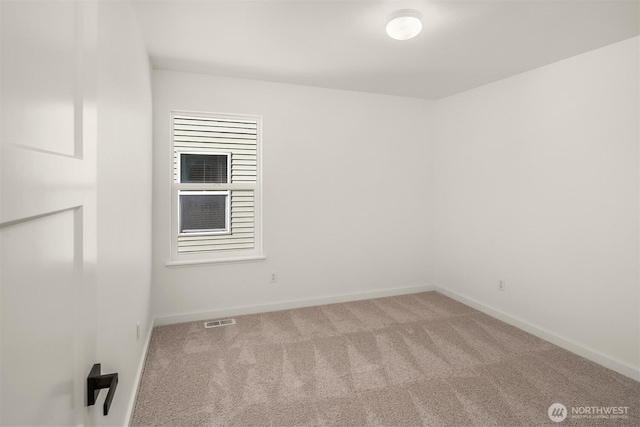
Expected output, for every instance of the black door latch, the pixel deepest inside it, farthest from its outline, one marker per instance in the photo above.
(96, 382)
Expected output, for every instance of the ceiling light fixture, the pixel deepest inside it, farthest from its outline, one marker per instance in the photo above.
(404, 24)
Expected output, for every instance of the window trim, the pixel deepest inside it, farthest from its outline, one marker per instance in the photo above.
(227, 212)
(176, 259)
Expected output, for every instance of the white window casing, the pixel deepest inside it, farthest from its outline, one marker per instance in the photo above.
(239, 138)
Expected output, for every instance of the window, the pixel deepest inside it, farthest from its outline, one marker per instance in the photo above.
(205, 168)
(216, 188)
(204, 212)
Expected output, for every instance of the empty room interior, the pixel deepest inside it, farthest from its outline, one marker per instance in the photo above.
(347, 213)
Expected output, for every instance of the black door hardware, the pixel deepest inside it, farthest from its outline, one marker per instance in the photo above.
(96, 382)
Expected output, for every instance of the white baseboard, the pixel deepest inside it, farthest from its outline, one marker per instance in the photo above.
(143, 359)
(572, 346)
(286, 305)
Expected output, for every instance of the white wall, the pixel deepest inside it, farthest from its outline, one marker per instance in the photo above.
(124, 202)
(347, 194)
(537, 184)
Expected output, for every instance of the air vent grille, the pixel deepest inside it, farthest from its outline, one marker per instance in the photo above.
(221, 322)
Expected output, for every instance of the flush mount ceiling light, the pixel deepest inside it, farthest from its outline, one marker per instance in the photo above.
(404, 24)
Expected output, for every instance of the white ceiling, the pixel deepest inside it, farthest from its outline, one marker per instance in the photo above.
(343, 44)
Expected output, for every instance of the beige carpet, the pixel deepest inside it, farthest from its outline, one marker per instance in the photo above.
(421, 359)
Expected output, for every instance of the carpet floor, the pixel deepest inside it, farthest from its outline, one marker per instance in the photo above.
(420, 359)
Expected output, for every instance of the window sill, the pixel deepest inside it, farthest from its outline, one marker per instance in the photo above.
(195, 262)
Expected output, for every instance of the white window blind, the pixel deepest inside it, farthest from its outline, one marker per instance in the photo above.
(221, 154)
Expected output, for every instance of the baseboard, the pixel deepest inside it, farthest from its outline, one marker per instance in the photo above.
(588, 353)
(286, 305)
(143, 359)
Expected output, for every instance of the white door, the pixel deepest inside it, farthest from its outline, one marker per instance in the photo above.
(47, 210)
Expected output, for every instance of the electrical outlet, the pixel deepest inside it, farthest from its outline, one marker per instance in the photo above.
(502, 286)
(138, 330)
(274, 278)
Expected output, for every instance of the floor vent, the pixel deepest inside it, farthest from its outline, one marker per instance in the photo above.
(216, 323)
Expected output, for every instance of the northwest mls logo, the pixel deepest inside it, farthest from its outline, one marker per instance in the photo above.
(557, 412)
